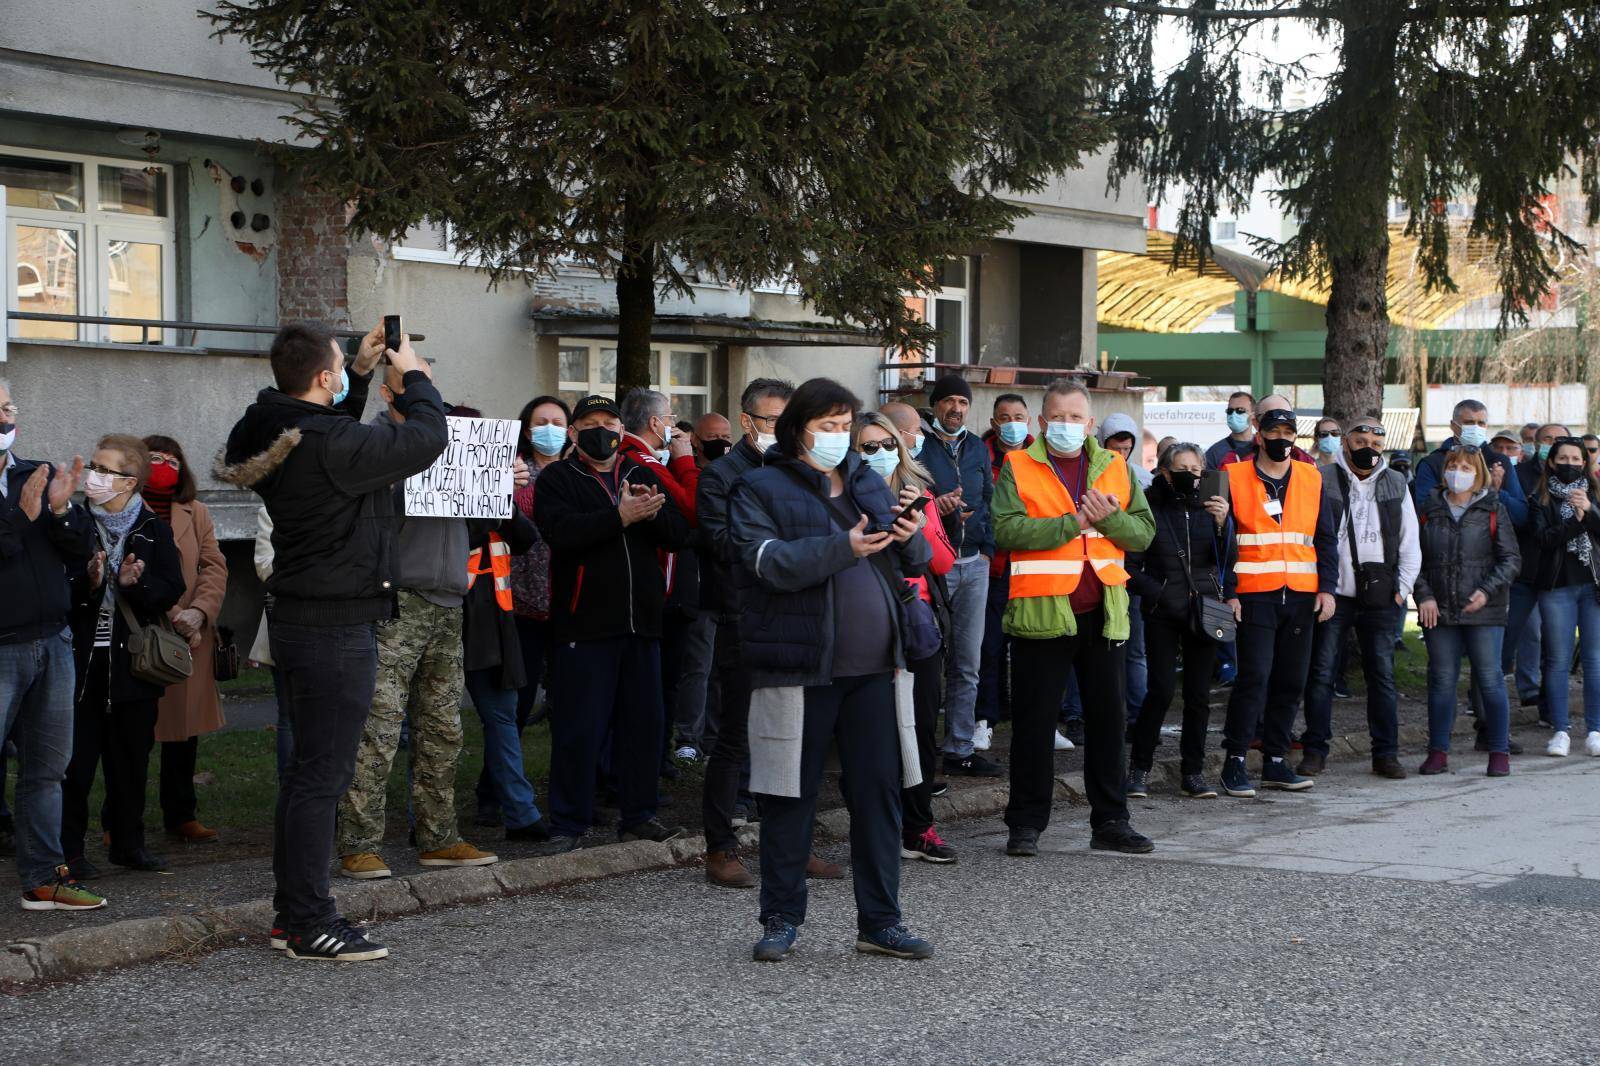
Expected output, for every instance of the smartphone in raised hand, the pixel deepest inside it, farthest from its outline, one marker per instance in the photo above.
(392, 336)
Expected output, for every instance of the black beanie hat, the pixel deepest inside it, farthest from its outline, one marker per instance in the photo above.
(950, 385)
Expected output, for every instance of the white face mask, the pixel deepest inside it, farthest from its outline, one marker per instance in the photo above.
(7, 439)
(1459, 480)
(765, 441)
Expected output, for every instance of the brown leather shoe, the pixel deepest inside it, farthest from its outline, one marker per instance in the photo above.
(1388, 766)
(1312, 764)
(724, 868)
(192, 832)
(820, 869)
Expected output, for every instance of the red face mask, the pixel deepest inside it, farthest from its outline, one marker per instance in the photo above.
(162, 477)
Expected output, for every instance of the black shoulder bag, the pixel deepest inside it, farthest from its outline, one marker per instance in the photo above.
(1375, 582)
(1210, 617)
(920, 636)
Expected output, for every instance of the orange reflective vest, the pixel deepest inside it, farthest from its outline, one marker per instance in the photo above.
(1056, 571)
(1275, 553)
(499, 566)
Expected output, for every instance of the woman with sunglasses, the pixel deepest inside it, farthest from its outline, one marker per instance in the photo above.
(1463, 594)
(135, 570)
(1186, 560)
(1566, 532)
(192, 707)
(886, 450)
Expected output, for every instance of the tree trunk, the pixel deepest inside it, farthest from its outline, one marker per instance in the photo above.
(1356, 355)
(636, 309)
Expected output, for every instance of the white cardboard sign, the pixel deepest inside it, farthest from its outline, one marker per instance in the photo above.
(473, 477)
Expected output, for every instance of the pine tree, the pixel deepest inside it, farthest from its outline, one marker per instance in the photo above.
(847, 146)
(1431, 101)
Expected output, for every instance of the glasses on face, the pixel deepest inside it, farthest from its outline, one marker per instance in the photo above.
(98, 469)
(762, 420)
(9, 410)
(157, 459)
(1238, 410)
(1328, 433)
(872, 447)
(1374, 430)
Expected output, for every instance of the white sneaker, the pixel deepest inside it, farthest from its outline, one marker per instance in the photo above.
(982, 736)
(686, 754)
(1062, 743)
(1591, 745)
(1559, 744)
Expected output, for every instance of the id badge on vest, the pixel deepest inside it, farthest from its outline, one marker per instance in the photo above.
(1274, 508)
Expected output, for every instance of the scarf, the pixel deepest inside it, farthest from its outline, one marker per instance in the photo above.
(1578, 545)
(114, 527)
(160, 501)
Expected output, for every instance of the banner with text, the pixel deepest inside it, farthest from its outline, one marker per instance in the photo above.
(1192, 423)
(472, 479)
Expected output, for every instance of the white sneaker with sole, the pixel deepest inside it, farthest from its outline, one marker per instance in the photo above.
(1591, 744)
(1062, 743)
(982, 736)
(1559, 745)
(686, 754)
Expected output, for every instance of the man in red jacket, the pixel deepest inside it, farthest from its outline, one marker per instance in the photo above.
(650, 439)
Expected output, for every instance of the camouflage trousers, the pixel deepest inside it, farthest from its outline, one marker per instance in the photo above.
(419, 671)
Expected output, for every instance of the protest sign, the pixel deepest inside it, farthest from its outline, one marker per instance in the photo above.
(472, 478)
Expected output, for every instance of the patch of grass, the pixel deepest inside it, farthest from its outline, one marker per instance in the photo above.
(252, 681)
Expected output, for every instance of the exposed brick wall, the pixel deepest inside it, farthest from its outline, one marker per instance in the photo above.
(313, 252)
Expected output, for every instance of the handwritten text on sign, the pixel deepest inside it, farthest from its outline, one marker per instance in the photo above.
(472, 479)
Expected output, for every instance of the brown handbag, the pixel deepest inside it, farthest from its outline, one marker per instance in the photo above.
(156, 654)
(224, 655)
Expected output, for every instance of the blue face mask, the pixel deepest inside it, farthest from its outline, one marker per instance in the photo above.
(1013, 433)
(829, 449)
(1064, 436)
(344, 387)
(1544, 452)
(548, 439)
(1327, 445)
(1474, 436)
(916, 444)
(1530, 450)
(1238, 423)
(883, 462)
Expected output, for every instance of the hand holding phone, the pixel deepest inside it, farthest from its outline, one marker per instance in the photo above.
(392, 334)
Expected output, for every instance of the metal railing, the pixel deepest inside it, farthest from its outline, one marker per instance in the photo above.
(148, 324)
(994, 375)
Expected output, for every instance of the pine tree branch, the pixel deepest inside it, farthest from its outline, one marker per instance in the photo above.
(1218, 14)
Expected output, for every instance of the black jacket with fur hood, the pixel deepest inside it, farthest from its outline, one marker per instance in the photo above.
(326, 478)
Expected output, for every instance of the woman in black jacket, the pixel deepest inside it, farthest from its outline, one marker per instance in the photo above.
(135, 566)
(822, 640)
(1566, 533)
(1463, 594)
(1180, 565)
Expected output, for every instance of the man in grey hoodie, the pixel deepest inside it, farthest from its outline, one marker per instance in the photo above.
(419, 677)
(1379, 557)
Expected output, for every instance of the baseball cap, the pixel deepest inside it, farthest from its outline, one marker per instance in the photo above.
(1510, 433)
(595, 404)
(1278, 417)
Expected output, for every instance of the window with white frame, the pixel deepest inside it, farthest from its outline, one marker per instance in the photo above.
(683, 372)
(947, 308)
(87, 235)
(1225, 231)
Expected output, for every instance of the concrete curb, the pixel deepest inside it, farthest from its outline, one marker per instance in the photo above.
(78, 952)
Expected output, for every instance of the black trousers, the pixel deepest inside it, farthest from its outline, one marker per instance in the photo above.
(1274, 647)
(1039, 680)
(731, 752)
(178, 800)
(612, 684)
(1164, 640)
(857, 714)
(927, 689)
(329, 674)
(119, 737)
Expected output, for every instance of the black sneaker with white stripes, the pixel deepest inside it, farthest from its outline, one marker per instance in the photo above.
(337, 941)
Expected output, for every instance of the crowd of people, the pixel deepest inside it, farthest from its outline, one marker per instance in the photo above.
(809, 577)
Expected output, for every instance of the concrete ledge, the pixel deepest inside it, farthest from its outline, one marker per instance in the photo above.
(75, 952)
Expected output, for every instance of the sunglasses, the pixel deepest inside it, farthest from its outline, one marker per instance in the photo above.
(872, 447)
(1325, 434)
(1238, 410)
(1376, 431)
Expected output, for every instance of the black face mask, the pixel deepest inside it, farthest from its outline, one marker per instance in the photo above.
(1567, 473)
(1365, 458)
(1185, 484)
(598, 442)
(715, 448)
(1277, 448)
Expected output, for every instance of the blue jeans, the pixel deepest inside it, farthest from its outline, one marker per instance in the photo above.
(1138, 672)
(1481, 645)
(1563, 610)
(690, 708)
(968, 582)
(36, 681)
(1376, 641)
(502, 747)
(1523, 644)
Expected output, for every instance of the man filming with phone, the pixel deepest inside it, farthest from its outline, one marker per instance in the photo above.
(326, 477)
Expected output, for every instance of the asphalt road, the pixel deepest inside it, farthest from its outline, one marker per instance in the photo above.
(1440, 920)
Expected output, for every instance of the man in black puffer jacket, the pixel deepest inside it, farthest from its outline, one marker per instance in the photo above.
(606, 519)
(326, 479)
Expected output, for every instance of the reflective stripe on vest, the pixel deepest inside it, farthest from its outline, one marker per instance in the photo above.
(1273, 556)
(499, 566)
(1056, 571)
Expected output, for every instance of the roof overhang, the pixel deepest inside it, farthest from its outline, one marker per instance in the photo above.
(707, 329)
